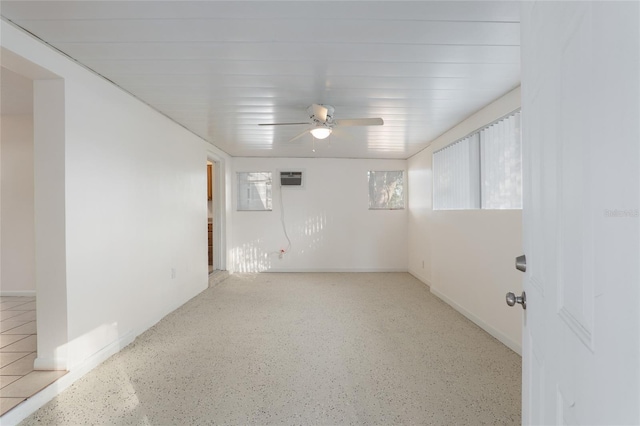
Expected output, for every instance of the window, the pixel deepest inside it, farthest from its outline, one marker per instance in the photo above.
(501, 164)
(254, 190)
(455, 175)
(482, 170)
(386, 190)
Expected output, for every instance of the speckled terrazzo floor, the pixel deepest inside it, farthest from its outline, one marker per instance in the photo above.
(326, 349)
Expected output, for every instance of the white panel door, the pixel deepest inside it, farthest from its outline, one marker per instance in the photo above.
(581, 138)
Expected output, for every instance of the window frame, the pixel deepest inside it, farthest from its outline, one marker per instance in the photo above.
(268, 195)
(403, 189)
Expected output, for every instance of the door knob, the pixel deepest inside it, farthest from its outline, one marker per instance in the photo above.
(512, 299)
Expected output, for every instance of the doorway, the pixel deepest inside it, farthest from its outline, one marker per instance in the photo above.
(33, 323)
(216, 255)
(210, 210)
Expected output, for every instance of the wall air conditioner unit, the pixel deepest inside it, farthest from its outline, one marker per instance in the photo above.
(291, 179)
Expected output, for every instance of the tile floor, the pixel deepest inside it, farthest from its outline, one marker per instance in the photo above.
(18, 381)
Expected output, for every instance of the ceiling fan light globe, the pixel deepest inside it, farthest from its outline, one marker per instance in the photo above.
(321, 132)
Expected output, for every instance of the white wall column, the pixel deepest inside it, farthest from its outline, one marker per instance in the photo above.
(50, 227)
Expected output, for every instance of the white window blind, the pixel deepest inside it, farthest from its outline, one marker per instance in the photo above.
(483, 170)
(254, 190)
(455, 175)
(501, 164)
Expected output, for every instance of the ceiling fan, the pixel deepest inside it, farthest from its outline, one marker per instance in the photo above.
(322, 122)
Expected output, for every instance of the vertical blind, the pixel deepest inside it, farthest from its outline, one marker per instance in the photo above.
(455, 170)
(482, 170)
(501, 164)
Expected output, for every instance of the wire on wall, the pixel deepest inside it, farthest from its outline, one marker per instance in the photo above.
(284, 227)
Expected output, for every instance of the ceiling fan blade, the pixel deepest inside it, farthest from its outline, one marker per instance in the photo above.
(282, 124)
(360, 122)
(299, 135)
(320, 112)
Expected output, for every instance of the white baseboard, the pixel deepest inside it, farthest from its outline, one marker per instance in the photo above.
(22, 293)
(420, 278)
(514, 346)
(50, 364)
(335, 270)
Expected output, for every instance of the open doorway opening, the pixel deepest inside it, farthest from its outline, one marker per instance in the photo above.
(210, 213)
(216, 199)
(18, 338)
(18, 269)
(32, 324)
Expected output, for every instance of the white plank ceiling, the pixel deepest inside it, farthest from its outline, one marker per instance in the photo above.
(221, 68)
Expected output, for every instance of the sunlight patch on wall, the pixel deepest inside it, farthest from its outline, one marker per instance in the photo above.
(310, 232)
(250, 257)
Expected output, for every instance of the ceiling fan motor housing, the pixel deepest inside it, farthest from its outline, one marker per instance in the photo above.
(318, 120)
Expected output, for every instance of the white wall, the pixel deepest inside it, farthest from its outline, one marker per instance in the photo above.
(329, 222)
(136, 212)
(17, 275)
(468, 255)
(134, 207)
(419, 215)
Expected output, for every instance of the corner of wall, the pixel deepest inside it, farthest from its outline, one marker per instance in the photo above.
(420, 277)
